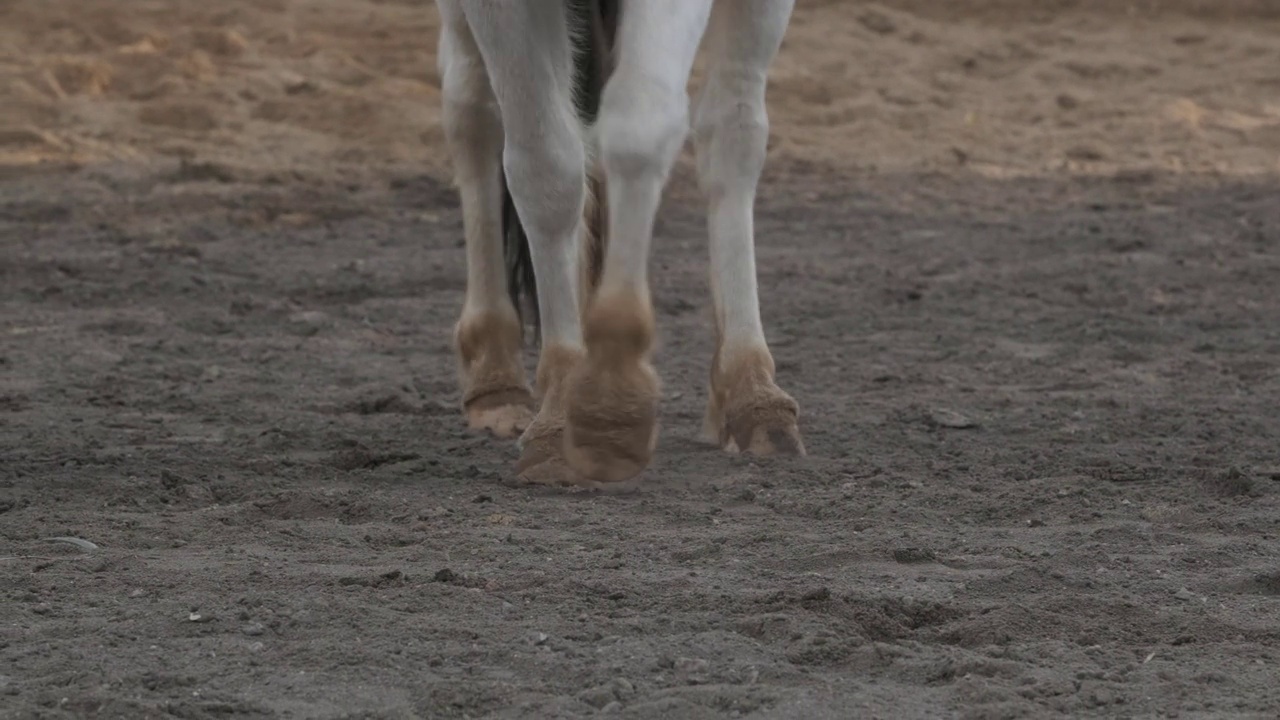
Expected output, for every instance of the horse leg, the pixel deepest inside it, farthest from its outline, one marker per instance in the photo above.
(487, 337)
(612, 397)
(527, 52)
(746, 410)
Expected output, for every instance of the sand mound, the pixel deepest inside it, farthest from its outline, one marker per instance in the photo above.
(988, 85)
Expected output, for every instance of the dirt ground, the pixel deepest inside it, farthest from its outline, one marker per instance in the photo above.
(1019, 268)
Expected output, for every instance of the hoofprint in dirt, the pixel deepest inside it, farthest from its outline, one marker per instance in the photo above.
(1043, 475)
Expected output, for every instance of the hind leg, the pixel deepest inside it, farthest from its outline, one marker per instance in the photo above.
(487, 337)
(612, 397)
(527, 52)
(746, 410)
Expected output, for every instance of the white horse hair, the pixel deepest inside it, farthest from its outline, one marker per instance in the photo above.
(549, 106)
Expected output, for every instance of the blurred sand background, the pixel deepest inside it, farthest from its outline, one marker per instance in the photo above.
(1000, 87)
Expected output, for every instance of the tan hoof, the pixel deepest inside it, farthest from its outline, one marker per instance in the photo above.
(542, 460)
(764, 430)
(612, 419)
(495, 397)
(505, 413)
(747, 411)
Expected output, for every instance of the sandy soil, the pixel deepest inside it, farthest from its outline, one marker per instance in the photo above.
(1072, 85)
(1019, 269)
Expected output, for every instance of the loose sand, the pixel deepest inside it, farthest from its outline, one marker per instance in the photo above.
(1019, 268)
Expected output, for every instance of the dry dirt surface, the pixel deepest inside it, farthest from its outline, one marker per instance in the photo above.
(1020, 268)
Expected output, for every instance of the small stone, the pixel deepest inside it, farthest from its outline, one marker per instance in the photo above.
(691, 665)
(598, 696)
(1102, 696)
(540, 639)
(308, 322)
(253, 629)
(877, 22)
(137, 593)
(623, 687)
(445, 575)
(911, 555)
(942, 417)
(816, 595)
(42, 609)
(256, 647)
(611, 708)
(1085, 153)
(224, 43)
(1185, 594)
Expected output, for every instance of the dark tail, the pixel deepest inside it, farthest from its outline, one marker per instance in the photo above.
(592, 25)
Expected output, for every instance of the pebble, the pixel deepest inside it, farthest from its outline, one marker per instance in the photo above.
(950, 419)
(308, 322)
(909, 555)
(623, 687)
(598, 696)
(1102, 696)
(877, 22)
(691, 665)
(253, 629)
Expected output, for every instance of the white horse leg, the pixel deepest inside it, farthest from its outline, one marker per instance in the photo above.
(527, 53)
(643, 122)
(487, 337)
(746, 411)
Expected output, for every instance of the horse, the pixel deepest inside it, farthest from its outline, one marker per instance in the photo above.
(563, 120)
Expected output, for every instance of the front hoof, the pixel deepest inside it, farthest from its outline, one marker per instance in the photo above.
(768, 428)
(505, 413)
(612, 427)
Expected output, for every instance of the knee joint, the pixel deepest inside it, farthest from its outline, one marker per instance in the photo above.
(470, 113)
(731, 144)
(547, 178)
(641, 127)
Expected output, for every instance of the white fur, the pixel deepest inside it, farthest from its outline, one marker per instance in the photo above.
(731, 128)
(507, 72)
(473, 131)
